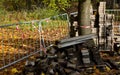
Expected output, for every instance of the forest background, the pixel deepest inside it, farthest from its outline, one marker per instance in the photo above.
(12, 11)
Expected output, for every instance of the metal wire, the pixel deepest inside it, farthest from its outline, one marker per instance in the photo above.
(24, 39)
(116, 23)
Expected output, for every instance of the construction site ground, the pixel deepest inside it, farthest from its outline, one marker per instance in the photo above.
(18, 68)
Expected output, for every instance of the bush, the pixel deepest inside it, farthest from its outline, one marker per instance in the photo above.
(41, 13)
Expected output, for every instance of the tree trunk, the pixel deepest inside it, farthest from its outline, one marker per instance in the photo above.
(84, 26)
(84, 17)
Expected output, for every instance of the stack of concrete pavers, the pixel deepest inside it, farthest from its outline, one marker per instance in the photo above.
(105, 22)
(102, 20)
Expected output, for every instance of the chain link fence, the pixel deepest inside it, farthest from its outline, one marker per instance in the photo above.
(116, 24)
(22, 40)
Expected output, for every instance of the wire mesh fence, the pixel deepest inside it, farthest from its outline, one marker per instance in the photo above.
(117, 30)
(20, 41)
(116, 13)
(54, 29)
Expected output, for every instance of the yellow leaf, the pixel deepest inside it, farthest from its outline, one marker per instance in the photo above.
(42, 73)
(5, 70)
(14, 70)
(97, 71)
(118, 62)
(107, 68)
(94, 67)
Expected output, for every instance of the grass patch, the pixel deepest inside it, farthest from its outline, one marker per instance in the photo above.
(20, 16)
